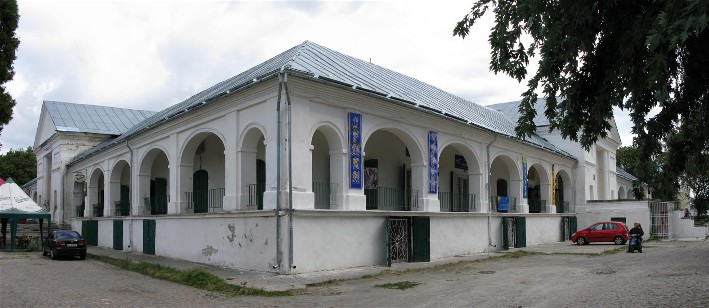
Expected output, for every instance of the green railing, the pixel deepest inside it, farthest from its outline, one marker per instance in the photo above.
(512, 204)
(121, 208)
(203, 201)
(256, 195)
(156, 205)
(97, 210)
(455, 202)
(391, 199)
(324, 195)
(79, 210)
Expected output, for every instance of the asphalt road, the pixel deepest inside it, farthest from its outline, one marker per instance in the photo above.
(671, 274)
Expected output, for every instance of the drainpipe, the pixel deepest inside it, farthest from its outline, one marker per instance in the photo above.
(62, 195)
(130, 210)
(488, 166)
(573, 184)
(278, 173)
(290, 177)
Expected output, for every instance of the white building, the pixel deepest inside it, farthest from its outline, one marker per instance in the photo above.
(314, 160)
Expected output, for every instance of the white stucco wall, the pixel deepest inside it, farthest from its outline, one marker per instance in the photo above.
(633, 211)
(454, 234)
(683, 228)
(543, 228)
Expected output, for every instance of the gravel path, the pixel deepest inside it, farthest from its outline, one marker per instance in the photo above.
(667, 274)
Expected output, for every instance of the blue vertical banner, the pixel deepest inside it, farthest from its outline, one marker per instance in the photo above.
(355, 143)
(524, 177)
(432, 162)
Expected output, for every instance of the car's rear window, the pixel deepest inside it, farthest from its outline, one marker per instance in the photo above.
(67, 235)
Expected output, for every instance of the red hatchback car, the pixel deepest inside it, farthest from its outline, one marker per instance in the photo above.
(602, 231)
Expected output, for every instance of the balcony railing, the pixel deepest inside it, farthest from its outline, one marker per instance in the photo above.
(256, 195)
(455, 202)
(97, 210)
(156, 205)
(512, 205)
(567, 207)
(537, 206)
(324, 195)
(79, 210)
(203, 201)
(121, 208)
(391, 199)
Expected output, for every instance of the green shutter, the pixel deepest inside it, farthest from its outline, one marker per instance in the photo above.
(520, 232)
(118, 234)
(149, 237)
(421, 233)
(505, 233)
(572, 226)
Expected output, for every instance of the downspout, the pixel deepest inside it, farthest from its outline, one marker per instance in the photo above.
(489, 191)
(130, 210)
(278, 173)
(290, 177)
(573, 184)
(62, 196)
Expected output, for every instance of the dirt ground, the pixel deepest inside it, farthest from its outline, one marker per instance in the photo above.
(667, 274)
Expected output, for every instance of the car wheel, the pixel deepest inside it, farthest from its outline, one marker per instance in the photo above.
(581, 241)
(82, 257)
(53, 254)
(618, 240)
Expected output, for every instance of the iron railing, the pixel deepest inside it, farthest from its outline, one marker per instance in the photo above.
(391, 199)
(156, 205)
(203, 201)
(455, 202)
(324, 195)
(256, 195)
(80, 210)
(537, 206)
(97, 210)
(121, 208)
(512, 205)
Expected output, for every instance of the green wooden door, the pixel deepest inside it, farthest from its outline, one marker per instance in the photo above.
(520, 232)
(89, 230)
(118, 234)
(200, 186)
(260, 182)
(572, 226)
(160, 199)
(149, 237)
(559, 195)
(421, 239)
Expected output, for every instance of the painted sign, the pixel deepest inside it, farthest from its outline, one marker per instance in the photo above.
(553, 185)
(355, 146)
(524, 177)
(432, 162)
(503, 204)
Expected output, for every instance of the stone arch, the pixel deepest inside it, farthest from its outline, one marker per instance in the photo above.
(563, 192)
(328, 164)
(460, 178)
(504, 169)
(621, 192)
(394, 169)
(252, 167)
(154, 181)
(96, 192)
(201, 191)
(538, 188)
(119, 188)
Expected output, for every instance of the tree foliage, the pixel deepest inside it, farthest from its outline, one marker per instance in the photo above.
(637, 55)
(654, 172)
(20, 165)
(9, 19)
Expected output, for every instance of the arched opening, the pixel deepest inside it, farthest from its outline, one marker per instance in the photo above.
(562, 192)
(154, 183)
(119, 187)
(538, 189)
(252, 155)
(459, 179)
(96, 193)
(621, 193)
(505, 192)
(391, 157)
(327, 168)
(202, 174)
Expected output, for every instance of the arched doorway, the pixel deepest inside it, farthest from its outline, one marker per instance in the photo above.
(459, 179)
(202, 173)
(120, 189)
(538, 189)
(505, 185)
(562, 192)
(328, 160)
(252, 153)
(96, 193)
(154, 182)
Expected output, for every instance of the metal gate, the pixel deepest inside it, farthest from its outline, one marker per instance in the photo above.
(398, 240)
(509, 232)
(565, 229)
(659, 218)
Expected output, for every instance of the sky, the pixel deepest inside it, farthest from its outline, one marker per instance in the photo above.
(149, 55)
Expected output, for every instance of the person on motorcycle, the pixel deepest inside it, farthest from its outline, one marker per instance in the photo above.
(637, 231)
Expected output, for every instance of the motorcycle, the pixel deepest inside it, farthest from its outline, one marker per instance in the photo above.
(635, 243)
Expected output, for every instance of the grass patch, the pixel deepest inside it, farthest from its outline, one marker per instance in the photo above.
(401, 285)
(196, 278)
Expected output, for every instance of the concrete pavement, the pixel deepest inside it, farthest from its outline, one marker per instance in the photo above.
(275, 282)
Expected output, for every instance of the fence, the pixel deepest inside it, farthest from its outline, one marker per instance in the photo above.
(456, 202)
(391, 199)
(203, 201)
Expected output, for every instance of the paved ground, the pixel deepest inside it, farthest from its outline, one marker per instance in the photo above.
(672, 273)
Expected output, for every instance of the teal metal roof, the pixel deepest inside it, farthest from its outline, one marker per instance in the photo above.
(69, 117)
(625, 174)
(511, 110)
(315, 62)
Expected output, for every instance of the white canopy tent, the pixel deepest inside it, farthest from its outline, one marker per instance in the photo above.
(15, 205)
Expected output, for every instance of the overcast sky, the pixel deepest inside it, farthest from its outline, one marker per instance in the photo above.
(152, 54)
